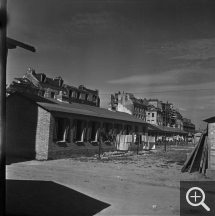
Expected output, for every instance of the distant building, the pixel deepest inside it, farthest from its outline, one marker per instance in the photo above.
(176, 118)
(171, 116)
(188, 126)
(154, 112)
(166, 113)
(126, 102)
(40, 84)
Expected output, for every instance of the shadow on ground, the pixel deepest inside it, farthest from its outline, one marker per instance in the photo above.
(11, 160)
(25, 197)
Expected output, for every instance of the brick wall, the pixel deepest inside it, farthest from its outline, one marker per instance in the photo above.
(71, 149)
(43, 134)
(27, 129)
(21, 124)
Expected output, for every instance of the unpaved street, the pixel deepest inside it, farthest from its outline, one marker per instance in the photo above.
(146, 184)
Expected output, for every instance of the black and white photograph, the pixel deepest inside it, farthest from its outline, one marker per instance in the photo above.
(109, 107)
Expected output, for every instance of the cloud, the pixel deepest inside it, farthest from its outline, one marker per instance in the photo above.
(146, 79)
(182, 109)
(201, 49)
(183, 91)
(96, 23)
(181, 77)
(200, 107)
(196, 49)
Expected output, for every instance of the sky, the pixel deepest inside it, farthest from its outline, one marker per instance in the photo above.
(161, 49)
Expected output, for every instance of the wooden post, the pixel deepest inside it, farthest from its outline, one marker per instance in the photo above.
(99, 149)
(165, 142)
(3, 63)
(99, 143)
(138, 144)
(165, 136)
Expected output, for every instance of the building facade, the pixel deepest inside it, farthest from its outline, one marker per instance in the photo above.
(154, 112)
(166, 113)
(188, 126)
(176, 118)
(126, 102)
(40, 84)
(171, 116)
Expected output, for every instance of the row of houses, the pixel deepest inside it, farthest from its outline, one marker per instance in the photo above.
(152, 111)
(40, 84)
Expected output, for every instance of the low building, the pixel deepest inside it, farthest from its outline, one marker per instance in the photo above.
(40, 84)
(45, 128)
(127, 103)
(160, 134)
(188, 126)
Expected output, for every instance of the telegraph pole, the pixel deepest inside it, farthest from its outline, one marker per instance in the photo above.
(5, 44)
(3, 63)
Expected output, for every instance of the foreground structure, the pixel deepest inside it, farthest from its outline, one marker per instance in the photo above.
(210, 172)
(45, 128)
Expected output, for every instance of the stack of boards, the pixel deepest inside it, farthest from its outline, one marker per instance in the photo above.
(198, 159)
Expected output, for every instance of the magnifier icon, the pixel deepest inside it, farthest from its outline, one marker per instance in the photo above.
(202, 197)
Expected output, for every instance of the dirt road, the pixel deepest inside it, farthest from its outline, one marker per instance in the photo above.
(146, 184)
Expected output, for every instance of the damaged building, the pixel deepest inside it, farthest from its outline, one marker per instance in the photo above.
(152, 111)
(40, 84)
(126, 102)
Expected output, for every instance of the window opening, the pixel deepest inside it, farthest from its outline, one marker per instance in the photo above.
(52, 94)
(61, 129)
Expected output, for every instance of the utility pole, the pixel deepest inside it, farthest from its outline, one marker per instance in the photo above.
(5, 44)
(3, 63)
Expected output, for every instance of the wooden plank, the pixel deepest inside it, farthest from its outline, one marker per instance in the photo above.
(209, 153)
(203, 155)
(205, 165)
(189, 160)
(13, 43)
(202, 169)
(197, 157)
